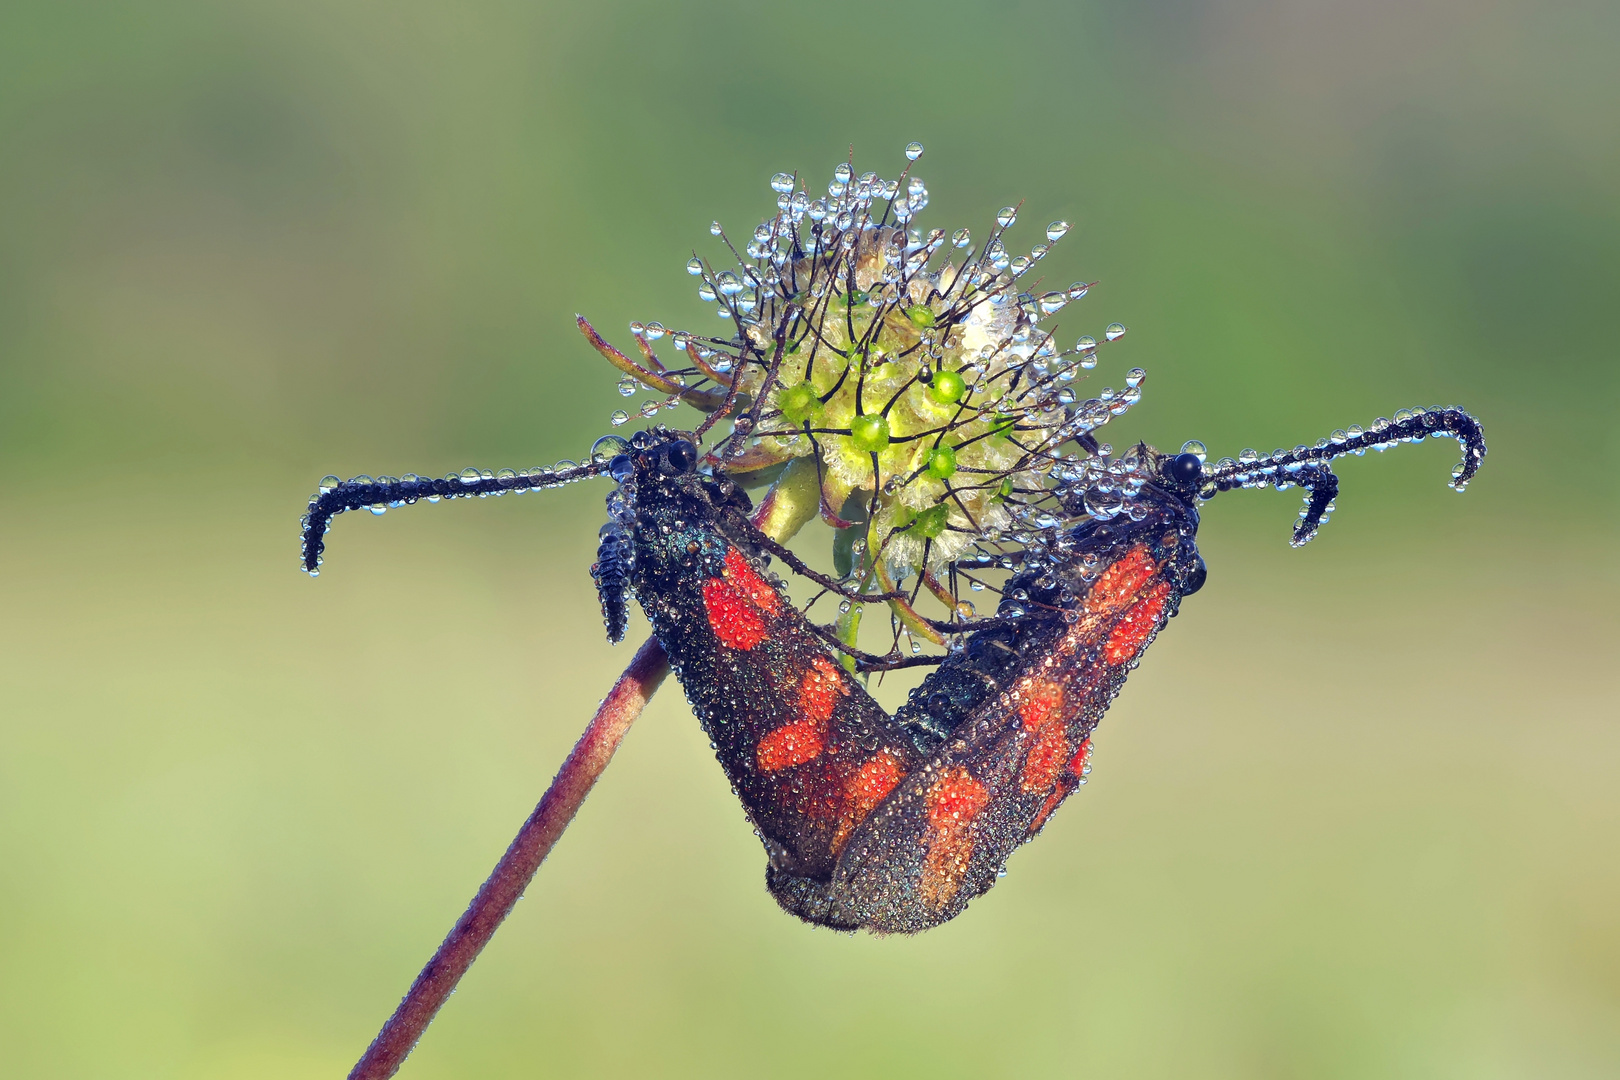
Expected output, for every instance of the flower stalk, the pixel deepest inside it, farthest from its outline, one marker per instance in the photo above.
(517, 866)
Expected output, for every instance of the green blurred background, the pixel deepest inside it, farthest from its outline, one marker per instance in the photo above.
(1355, 817)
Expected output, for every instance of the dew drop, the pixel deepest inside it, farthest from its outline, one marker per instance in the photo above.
(1056, 230)
(914, 150)
(1115, 331)
(782, 183)
(619, 418)
(1006, 217)
(329, 484)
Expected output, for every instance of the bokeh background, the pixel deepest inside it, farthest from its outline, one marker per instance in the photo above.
(1356, 816)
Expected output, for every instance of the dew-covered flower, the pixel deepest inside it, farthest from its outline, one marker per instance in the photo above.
(910, 381)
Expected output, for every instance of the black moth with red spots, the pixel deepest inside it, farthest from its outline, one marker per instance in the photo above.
(879, 822)
(894, 823)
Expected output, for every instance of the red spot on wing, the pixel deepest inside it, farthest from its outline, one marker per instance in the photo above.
(954, 800)
(737, 603)
(873, 782)
(806, 737)
(1137, 625)
(870, 785)
(733, 617)
(821, 689)
(1071, 778)
(1119, 584)
(790, 744)
(1082, 756)
(1040, 707)
(1045, 760)
(742, 576)
(1040, 703)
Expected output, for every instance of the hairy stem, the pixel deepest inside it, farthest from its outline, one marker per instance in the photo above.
(518, 866)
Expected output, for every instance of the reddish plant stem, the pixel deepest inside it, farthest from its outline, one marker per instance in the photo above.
(517, 867)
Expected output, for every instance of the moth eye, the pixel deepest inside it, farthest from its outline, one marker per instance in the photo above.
(678, 457)
(1184, 469)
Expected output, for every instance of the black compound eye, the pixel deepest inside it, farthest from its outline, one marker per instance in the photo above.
(678, 457)
(621, 467)
(1184, 469)
(1195, 580)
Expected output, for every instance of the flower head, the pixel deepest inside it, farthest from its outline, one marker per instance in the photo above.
(916, 374)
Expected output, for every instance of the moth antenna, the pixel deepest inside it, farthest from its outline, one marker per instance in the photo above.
(1308, 466)
(339, 496)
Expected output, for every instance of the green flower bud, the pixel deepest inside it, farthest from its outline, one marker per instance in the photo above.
(799, 403)
(948, 387)
(920, 315)
(931, 522)
(870, 433)
(941, 463)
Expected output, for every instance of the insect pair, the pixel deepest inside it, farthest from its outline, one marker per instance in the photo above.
(893, 823)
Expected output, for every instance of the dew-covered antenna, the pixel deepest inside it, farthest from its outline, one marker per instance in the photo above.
(338, 496)
(1307, 466)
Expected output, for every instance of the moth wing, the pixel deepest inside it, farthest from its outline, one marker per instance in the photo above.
(808, 750)
(947, 830)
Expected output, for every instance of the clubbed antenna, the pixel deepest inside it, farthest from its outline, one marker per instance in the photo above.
(1308, 466)
(337, 496)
